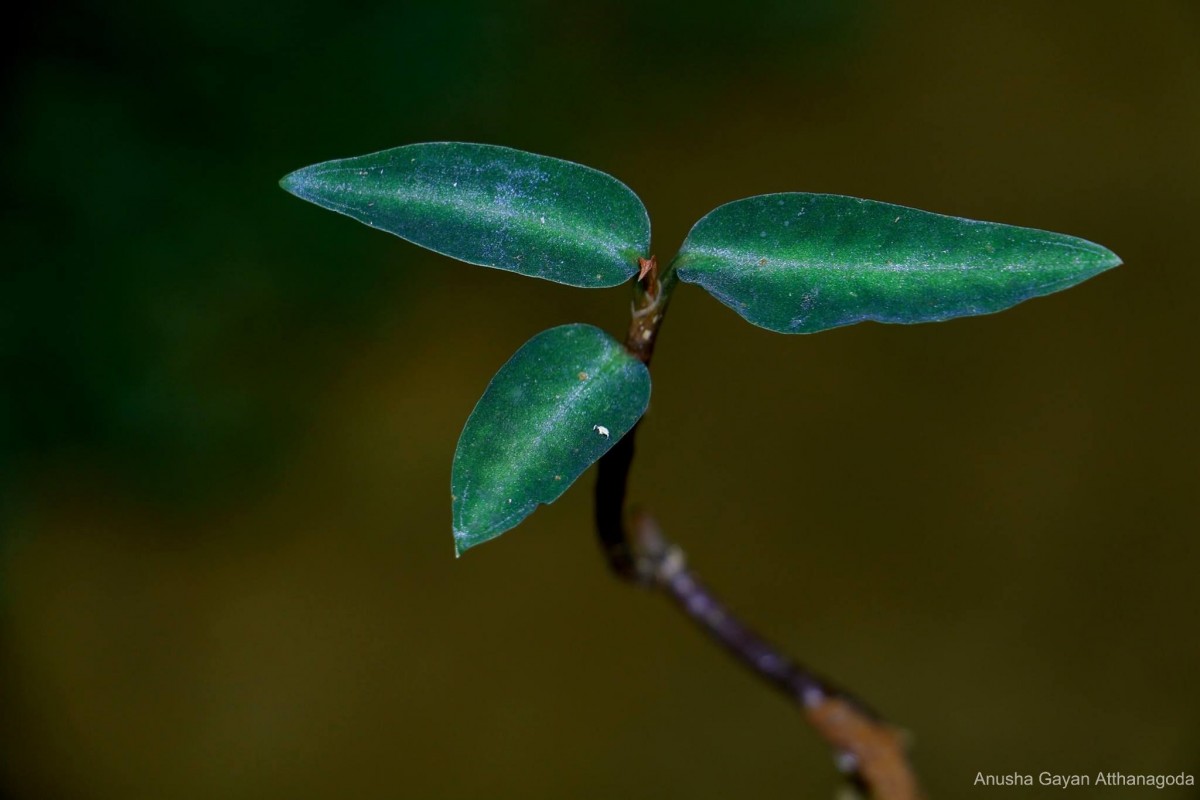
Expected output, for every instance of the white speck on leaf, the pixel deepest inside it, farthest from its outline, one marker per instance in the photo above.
(600, 429)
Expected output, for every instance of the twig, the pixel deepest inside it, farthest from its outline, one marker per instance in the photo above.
(649, 308)
(869, 751)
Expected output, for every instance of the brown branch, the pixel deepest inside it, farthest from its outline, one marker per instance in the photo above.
(649, 306)
(869, 751)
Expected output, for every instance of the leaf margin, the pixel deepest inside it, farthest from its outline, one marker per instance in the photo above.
(300, 182)
(615, 352)
(705, 281)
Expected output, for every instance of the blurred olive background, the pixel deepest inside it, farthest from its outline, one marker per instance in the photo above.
(227, 417)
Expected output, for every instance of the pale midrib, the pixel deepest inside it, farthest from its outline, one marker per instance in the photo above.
(748, 259)
(564, 407)
(490, 210)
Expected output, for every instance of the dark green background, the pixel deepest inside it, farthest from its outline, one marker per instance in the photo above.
(227, 417)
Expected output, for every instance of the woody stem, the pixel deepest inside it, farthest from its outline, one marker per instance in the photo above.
(652, 294)
(868, 750)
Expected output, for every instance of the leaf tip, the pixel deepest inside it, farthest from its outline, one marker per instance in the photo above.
(295, 183)
(464, 540)
(1109, 259)
(462, 543)
(1099, 259)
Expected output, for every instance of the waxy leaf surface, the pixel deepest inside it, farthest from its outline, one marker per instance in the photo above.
(801, 263)
(566, 397)
(491, 206)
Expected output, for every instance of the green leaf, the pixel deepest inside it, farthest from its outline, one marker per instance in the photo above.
(801, 263)
(491, 206)
(566, 397)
